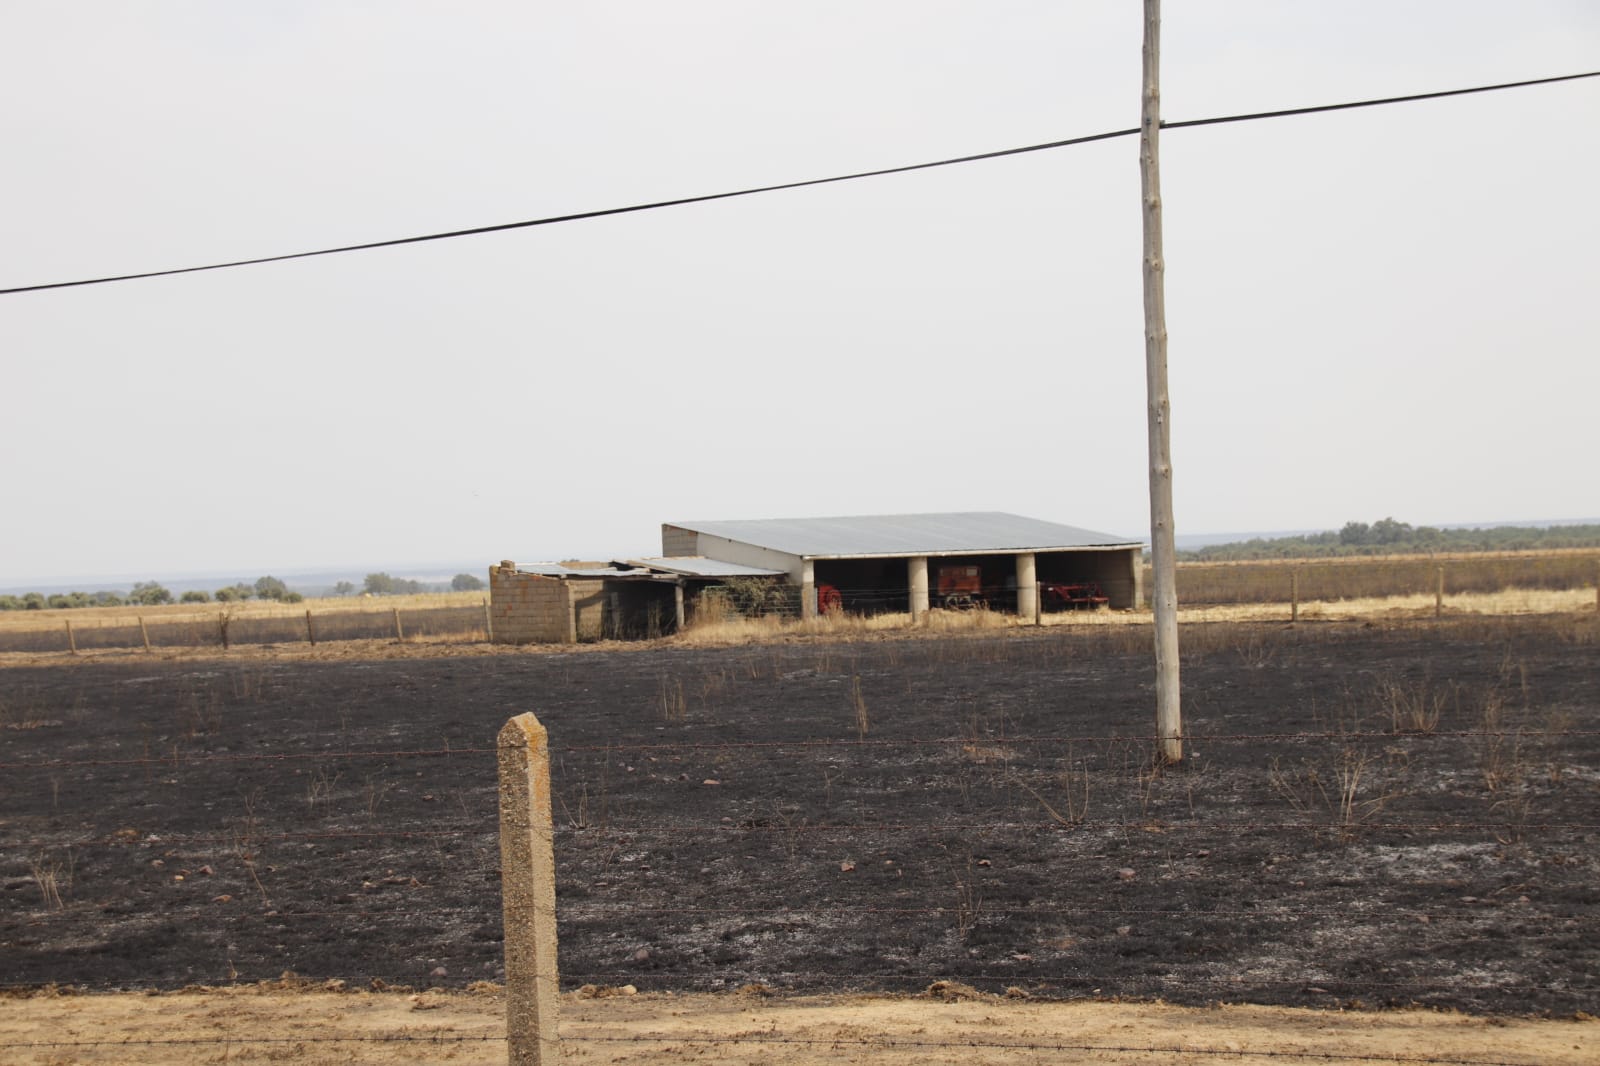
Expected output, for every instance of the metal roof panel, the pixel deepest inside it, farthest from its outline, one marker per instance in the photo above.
(907, 534)
(700, 566)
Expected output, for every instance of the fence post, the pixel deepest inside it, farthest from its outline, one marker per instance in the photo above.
(488, 621)
(528, 894)
(1038, 603)
(144, 634)
(72, 642)
(1294, 595)
(399, 634)
(1438, 595)
(311, 633)
(222, 628)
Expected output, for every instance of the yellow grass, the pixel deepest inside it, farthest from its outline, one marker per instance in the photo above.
(92, 617)
(845, 627)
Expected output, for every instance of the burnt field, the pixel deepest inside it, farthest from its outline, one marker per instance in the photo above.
(1384, 815)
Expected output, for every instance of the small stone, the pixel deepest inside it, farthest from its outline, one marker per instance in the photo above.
(642, 955)
(847, 867)
(1124, 930)
(439, 971)
(711, 781)
(985, 862)
(224, 898)
(1126, 874)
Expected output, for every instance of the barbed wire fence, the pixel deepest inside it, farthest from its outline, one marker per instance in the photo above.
(1289, 582)
(999, 814)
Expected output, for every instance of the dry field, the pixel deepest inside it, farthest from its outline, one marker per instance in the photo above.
(84, 618)
(1384, 576)
(1376, 588)
(314, 1027)
(427, 617)
(842, 818)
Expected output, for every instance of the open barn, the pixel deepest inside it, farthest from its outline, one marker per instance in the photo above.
(913, 562)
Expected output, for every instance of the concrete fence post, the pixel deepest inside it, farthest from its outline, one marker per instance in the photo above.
(1438, 595)
(72, 642)
(311, 630)
(528, 894)
(399, 633)
(144, 634)
(488, 622)
(1294, 595)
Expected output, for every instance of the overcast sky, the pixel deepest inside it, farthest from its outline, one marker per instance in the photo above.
(1389, 311)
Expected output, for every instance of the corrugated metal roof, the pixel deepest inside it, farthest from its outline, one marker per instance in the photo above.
(700, 566)
(907, 534)
(557, 570)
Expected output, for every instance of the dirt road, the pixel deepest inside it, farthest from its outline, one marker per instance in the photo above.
(267, 1024)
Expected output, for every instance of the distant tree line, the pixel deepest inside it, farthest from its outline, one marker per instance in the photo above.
(382, 584)
(151, 593)
(1389, 537)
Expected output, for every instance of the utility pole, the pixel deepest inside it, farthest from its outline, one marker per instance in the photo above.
(1164, 592)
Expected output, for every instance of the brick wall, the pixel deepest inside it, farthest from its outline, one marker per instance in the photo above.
(589, 606)
(528, 608)
(679, 542)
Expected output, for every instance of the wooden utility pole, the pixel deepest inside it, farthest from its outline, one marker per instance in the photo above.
(1164, 591)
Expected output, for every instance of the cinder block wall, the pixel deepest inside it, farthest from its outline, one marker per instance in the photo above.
(527, 608)
(589, 604)
(678, 541)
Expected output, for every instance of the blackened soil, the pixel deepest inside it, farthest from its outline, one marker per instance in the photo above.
(836, 816)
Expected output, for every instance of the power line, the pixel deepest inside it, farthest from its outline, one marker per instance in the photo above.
(754, 190)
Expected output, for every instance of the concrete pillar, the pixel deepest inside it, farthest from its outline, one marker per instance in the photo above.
(677, 605)
(1027, 586)
(917, 574)
(808, 589)
(1135, 578)
(528, 894)
(571, 601)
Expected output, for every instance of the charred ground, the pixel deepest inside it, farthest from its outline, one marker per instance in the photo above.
(875, 815)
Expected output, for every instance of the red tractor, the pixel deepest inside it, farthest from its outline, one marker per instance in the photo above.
(1065, 597)
(960, 588)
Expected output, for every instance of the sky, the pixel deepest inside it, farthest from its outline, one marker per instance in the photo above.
(1388, 311)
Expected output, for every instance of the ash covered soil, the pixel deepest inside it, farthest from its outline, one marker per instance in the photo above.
(835, 816)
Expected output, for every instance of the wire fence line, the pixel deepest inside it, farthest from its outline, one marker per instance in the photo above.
(614, 851)
(708, 1039)
(180, 758)
(1199, 585)
(88, 629)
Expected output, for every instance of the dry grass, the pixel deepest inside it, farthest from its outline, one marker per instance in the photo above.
(98, 617)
